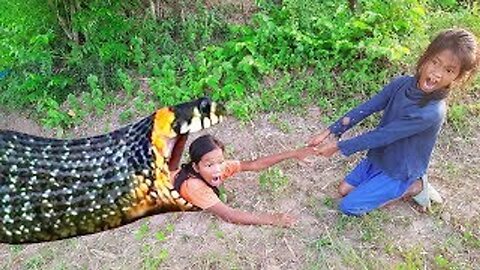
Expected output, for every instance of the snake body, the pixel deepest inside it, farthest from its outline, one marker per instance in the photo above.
(53, 189)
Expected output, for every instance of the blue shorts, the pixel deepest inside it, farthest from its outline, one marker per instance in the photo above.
(373, 188)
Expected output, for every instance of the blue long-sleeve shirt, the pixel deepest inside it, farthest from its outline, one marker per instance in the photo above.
(402, 143)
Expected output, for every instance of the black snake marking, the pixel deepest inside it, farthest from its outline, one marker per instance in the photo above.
(53, 189)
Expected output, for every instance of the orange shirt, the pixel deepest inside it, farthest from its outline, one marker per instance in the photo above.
(198, 193)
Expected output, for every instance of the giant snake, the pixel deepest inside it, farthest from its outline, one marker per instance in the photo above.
(54, 189)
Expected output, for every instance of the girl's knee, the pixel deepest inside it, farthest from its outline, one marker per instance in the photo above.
(348, 208)
(352, 206)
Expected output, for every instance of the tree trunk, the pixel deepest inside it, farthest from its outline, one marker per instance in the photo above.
(352, 4)
(65, 10)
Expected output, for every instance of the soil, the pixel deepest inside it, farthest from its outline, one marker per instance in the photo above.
(395, 236)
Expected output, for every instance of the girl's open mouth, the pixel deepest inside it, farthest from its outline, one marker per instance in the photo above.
(429, 84)
(216, 180)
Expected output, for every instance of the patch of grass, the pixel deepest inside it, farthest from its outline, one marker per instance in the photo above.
(245, 109)
(97, 99)
(61, 266)
(471, 239)
(153, 260)
(344, 222)
(279, 123)
(75, 110)
(332, 245)
(126, 116)
(35, 262)
(330, 202)
(324, 54)
(16, 249)
(219, 234)
(413, 259)
(53, 115)
(323, 242)
(451, 169)
(142, 231)
(126, 82)
(223, 194)
(441, 262)
(169, 228)
(319, 256)
(39, 260)
(143, 105)
(447, 254)
(162, 235)
(314, 206)
(389, 248)
(273, 180)
(458, 116)
(371, 226)
(214, 260)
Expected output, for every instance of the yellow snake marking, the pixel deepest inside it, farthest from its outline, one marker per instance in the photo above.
(162, 131)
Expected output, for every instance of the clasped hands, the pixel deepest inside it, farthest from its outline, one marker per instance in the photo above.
(324, 144)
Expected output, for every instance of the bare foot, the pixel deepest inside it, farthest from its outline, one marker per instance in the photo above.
(413, 190)
(415, 206)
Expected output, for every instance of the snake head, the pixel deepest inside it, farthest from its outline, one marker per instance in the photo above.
(173, 124)
(197, 115)
(187, 117)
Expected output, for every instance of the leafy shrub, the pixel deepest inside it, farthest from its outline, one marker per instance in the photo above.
(327, 53)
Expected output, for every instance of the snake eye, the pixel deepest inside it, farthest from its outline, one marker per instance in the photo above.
(204, 106)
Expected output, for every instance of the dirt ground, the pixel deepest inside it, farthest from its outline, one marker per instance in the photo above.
(395, 237)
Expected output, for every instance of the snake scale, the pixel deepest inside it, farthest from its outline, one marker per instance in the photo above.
(53, 189)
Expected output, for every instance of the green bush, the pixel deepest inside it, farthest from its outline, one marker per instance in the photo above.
(287, 54)
(26, 47)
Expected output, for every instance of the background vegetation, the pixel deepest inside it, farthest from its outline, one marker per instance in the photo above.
(65, 58)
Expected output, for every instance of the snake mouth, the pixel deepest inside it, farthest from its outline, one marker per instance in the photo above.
(191, 117)
(197, 115)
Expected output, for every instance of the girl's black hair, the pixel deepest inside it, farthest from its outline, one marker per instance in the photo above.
(462, 44)
(198, 148)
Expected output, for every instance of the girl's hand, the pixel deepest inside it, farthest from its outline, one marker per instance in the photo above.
(318, 139)
(327, 149)
(283, 220)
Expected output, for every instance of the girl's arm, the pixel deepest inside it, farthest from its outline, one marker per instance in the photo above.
(265, 162)
(407, 126)
(235, 216)
(356, 115)
(375, 104)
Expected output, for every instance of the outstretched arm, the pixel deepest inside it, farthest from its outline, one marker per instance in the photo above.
(356, 115)
(407, 126)
(236, 216)
(267, 161)
(375, 104)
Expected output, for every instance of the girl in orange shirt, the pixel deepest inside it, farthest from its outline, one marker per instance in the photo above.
(197, 181)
